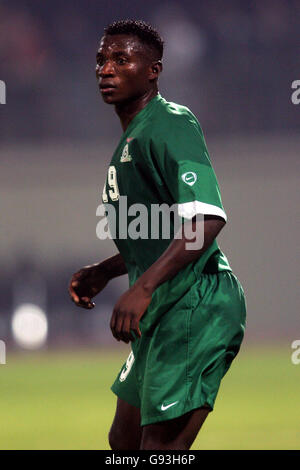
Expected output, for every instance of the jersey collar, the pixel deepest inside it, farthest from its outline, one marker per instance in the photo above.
(144, 113)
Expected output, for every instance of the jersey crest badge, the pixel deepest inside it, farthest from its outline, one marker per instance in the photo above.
(189, 178)
(125, 157)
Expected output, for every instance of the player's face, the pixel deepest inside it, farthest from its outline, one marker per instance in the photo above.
(123, 69)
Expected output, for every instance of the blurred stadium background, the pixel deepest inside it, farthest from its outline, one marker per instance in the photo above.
(233, 64)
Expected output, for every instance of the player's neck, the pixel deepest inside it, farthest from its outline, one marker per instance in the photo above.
(127, 111)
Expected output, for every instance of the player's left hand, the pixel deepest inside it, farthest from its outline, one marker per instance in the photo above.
(127, 313)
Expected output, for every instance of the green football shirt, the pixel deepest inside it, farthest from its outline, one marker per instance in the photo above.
(161, 159)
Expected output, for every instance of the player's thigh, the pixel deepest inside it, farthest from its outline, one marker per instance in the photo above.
(174, 434)
(125, 432)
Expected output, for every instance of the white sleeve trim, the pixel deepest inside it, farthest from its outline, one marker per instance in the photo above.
(189, 209)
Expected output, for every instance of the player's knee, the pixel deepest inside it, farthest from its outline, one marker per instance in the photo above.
(119, 440)
(156, 442)
(112, 439)
(115, 439)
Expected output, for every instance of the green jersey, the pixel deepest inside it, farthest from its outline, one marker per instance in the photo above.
(162, 158)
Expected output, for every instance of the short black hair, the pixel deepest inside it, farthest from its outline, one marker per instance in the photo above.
(144, 31)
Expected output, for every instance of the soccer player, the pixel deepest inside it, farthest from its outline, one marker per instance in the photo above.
(184, 313)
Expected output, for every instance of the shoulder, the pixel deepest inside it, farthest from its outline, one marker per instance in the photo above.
(171, 118)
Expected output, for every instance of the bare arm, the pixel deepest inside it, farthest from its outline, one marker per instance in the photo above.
(115, 266)
(90, 280)
(176, 256)
(132, 304)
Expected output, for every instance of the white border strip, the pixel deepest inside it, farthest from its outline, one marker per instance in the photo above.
(189, 209)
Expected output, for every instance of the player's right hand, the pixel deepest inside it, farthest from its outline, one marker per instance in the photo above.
(86, 283)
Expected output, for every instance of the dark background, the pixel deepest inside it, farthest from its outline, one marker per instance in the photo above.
(232, 63)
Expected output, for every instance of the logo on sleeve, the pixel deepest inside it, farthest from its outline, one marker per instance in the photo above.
(189, 178)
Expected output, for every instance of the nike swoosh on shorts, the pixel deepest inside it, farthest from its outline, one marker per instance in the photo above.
(163, 408)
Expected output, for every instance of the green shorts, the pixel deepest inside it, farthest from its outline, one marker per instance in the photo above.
(179, 366)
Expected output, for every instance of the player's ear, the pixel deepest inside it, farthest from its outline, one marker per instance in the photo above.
(155, 69)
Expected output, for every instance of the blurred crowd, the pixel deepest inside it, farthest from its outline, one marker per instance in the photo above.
(232, 62)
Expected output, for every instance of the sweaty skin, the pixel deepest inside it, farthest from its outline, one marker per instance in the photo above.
(127, 74)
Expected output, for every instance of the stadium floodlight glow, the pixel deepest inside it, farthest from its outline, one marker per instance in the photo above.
(29, 326)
